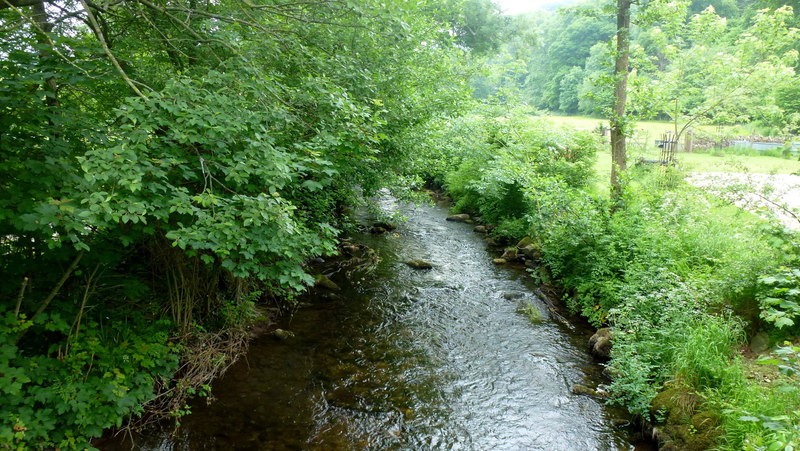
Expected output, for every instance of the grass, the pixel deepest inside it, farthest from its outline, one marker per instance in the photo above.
(719, 161)
(642, 145)
(704, 162)
(531, 312)
(651, 129)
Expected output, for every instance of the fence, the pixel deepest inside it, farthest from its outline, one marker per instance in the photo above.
(668, 145)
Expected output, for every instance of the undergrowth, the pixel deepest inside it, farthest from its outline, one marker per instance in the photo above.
(675, 273)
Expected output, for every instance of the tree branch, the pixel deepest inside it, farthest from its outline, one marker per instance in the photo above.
(21, 3)
(99, 34)
(54, 292)
(21, 296)
(42, 32)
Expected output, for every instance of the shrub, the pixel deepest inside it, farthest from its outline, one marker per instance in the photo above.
(91, 379)
(779, 298)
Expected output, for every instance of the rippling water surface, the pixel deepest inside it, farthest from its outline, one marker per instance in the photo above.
(410, 359)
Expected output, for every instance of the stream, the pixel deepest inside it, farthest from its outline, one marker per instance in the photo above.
(412, 359)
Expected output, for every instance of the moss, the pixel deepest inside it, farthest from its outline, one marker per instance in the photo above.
(525, 242)
(706, 420)
(676, 404)
(687, 426)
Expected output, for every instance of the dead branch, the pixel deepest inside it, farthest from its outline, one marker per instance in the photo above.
(20, 296)
(54, 292)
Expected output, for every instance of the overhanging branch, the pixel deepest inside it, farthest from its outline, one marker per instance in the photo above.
(21, 3)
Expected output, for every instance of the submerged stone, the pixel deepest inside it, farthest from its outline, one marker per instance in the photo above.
(463, 217)
(325, 282)
(282, 335)
(419, 264)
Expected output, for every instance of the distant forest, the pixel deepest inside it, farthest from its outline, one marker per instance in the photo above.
(728, 61)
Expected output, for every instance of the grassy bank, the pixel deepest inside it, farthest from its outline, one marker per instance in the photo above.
(642, 145)
(704, 162)
(651, 129)
(674, 273)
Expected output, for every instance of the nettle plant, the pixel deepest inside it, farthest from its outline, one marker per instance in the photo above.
(780, 297)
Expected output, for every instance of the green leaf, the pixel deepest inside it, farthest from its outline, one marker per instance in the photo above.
(311, 185)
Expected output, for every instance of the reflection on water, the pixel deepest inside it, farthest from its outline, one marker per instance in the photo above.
(409, 359)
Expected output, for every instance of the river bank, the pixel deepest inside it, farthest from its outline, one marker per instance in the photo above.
(402, 358)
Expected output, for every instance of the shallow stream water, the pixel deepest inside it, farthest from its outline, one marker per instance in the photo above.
(411, 359)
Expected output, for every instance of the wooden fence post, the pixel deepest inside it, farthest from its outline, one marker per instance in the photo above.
(689, 140)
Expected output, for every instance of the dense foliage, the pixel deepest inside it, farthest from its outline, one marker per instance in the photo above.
(160, 162)
(719, 62)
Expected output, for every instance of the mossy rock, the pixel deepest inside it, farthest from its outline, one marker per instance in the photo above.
(419, 264)
(760, 342)
(677, 403)
(706, 420)
(323, 281)
(531, 251)
(458, 218)
(600, 343)
(384, 225)
(686, 437)
(510, 254)
(687, 427)
(583, 391)
(282, 334)
(525, 242)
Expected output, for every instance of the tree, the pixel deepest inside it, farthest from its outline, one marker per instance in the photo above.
(565, 43)
(617, 120)
(482, 26)
(570, 85)
(711, 77)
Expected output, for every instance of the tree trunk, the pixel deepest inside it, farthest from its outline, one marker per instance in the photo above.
(617, 120)
(43, 27)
